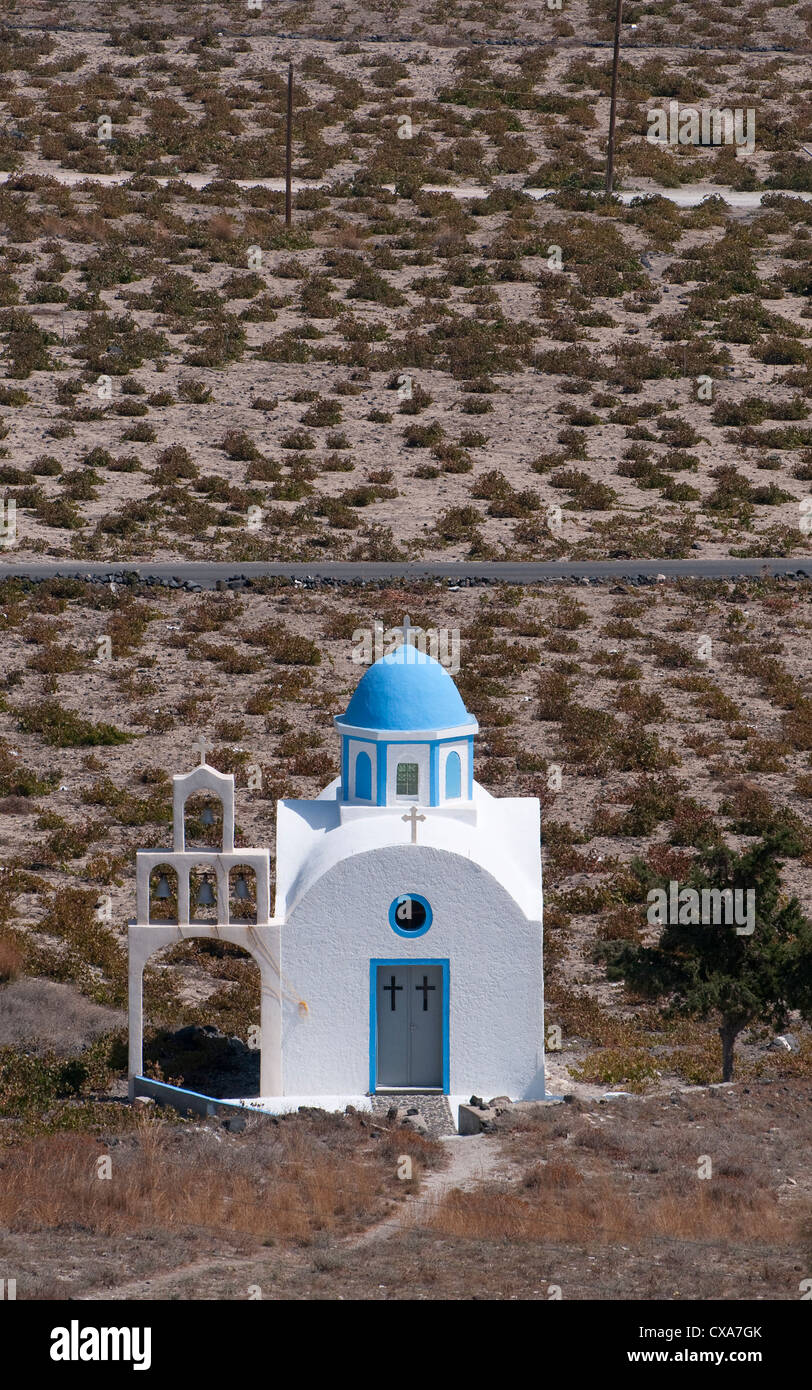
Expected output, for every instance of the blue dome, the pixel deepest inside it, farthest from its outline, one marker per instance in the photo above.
(407, 690)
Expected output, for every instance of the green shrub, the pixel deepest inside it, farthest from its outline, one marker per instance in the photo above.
(370, 286)
(63, 728)
(632, 1068)
(31, 1085)
(239, 445)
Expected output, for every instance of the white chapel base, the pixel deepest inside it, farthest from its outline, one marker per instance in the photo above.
(283, 1105)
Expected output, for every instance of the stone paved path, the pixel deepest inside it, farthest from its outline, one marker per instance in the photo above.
(435, 1110)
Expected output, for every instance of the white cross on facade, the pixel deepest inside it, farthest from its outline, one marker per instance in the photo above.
(407, 628)
(413, 818)
(203, 746)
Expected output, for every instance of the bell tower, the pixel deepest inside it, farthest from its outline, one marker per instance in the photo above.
(165, 878)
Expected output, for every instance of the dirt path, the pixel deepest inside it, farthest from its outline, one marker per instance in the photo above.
(474, 1159)
(162, 1285)
(687, 196)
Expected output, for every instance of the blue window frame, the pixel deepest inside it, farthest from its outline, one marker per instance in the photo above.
(453, 776)
(373, 1017)
(410, 915)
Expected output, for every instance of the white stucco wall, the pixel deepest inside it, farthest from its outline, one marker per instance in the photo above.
(340, 922)
(501, 834)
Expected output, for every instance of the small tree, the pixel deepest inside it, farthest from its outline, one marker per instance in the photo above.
(710, 970)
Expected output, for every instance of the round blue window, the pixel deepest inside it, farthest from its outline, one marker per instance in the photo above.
(410, 915)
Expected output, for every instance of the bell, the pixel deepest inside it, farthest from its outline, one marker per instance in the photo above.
(241, 887)
(163, 890)
(205, 896)
(208, 816)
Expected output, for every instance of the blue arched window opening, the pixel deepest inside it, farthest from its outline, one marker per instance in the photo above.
(453, 776)
(363, 777)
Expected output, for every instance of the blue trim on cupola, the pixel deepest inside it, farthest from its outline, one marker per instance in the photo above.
(362, 776)
(383, 754)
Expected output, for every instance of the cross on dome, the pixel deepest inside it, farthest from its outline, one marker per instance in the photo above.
(413, 818)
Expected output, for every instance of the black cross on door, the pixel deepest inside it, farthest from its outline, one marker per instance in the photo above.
(425, 988)
(393, 987)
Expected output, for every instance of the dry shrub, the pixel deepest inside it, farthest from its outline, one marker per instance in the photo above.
(11, 960)
(348, 238)
(581, 1016)
(622, 925)
(554, 694)
(222, 227)
(554, 1173)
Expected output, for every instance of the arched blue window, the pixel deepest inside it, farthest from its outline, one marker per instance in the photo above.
(363, 777)
(453, 776)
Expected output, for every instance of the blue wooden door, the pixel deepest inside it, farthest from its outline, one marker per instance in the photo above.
(409, 1009)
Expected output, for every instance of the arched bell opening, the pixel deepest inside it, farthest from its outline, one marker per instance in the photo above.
(242, 894)
(203, 821)
(203, 894)
(163, 894)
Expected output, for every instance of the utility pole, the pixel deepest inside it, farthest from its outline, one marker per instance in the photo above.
(289, 153)
(610, 154)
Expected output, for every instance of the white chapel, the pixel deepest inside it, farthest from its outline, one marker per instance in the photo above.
(404, 952)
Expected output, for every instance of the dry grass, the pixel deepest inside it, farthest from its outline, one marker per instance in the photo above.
(601, 1200)
(567, 1207)
(630, 1172)
(11, 960)
(276, 1182)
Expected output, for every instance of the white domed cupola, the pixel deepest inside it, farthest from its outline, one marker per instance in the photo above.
(406, 736)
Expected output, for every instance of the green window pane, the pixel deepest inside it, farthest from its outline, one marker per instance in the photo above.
(407, 779)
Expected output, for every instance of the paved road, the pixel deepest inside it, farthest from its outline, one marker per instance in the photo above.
(208, 575)
(475, 41)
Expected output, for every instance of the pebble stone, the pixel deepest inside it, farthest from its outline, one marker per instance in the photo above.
(435, 1110)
